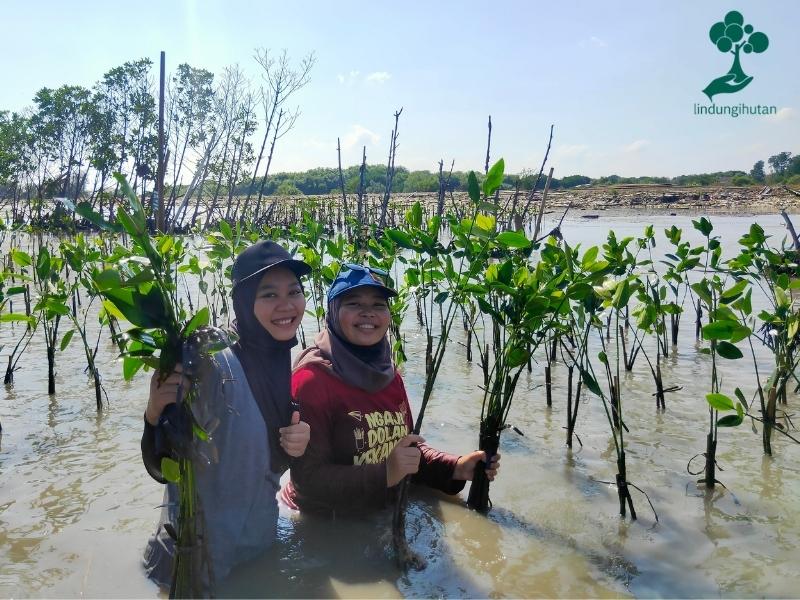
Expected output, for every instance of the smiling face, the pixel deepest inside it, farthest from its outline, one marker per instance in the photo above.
(364, 316)
(280, 303)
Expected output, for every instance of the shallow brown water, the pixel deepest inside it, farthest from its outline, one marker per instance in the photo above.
(76, 505)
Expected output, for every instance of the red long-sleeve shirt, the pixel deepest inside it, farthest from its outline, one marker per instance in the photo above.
(352, 434)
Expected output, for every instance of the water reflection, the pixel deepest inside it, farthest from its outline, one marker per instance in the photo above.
(76, 505)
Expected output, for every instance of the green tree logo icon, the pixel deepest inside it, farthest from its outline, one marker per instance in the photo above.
(732, 35)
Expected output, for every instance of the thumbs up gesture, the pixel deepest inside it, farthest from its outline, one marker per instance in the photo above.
(295, 436)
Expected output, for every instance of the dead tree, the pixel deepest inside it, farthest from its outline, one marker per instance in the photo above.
(282, 81)
(341, 185)
(529, 199)
(389, 170)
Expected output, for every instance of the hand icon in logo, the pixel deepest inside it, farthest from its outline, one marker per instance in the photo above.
(726, 84)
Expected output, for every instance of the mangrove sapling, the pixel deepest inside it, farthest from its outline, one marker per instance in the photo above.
(615, 297)
(679, 263)
(143, 291)
(520, 306)
(383, 255)
(743, 305)
(221, 247)
(708, 290)
(6, 295)
(83, 258)
(580, 327)
(429, 270)
(313, 243)
(723, 331)
(423, 277)
(51, 306)
(767, 269)
(650, 319)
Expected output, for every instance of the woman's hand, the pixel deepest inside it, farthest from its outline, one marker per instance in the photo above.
(164, 392)
(294, 437)
(403, 460)
(466, 465)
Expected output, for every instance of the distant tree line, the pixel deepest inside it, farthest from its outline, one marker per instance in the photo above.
(72, 138)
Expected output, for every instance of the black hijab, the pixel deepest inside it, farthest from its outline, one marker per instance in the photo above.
(267, 366)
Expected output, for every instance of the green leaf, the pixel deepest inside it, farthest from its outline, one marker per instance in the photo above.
(739, 396)
(401, 238)
(199, 432)
(728, 350)
(589, 258)
(739, 333)
(170, 470)
(701, 289)
(517, 357)
(111, 309)
(730, 420)
(56, 306)
(720, 402)
(603, 357)
(473, 188)
(137, 215)
(23, 259)
(200, 319)
(485, 222)
(590, 382)
(165, 243)
(494, 178)
(84, 209)
(704, 226)
(130, 366)
(66, 339)
(17, 317)
(414, 215)
(225, 230)
(513, 239)
(719, 330)
(128, 223)
(43, 264)
(733, 292)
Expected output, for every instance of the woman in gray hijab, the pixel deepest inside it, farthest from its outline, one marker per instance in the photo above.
(257, 430)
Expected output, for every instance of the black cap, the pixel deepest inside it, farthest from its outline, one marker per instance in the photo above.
(263, 256)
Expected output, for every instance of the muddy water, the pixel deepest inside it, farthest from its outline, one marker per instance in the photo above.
(76, 505)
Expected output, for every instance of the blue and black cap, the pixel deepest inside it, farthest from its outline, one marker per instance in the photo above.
(352, 276)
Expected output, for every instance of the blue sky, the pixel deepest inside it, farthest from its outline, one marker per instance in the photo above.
(617, 78)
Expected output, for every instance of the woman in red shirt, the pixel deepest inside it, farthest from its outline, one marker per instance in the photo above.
(353, 397)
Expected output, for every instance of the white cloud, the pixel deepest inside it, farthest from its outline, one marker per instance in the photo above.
(784, 114)
(636, 146)
(359, 135)
(354, 77)
(570, 150)
(348, 79)
(594, 42)
(317, 144)
(378, 77)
